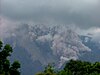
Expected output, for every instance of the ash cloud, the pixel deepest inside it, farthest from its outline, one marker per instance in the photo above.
(43, 42)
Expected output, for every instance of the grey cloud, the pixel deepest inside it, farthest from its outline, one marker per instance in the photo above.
(79, 12)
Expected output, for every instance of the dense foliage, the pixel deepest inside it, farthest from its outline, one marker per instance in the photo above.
(6, 68)
(74, 68)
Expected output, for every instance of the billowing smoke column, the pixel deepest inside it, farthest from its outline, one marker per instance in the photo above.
(49, 44)
(64, 43)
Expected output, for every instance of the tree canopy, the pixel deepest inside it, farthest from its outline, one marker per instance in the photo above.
(74, 67)
(6, 68)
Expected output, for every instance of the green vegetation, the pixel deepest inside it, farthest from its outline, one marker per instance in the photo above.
(6, 68)
(49, 70)
(74, 68)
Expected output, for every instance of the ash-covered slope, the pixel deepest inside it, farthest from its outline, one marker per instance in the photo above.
(94, 55)
(48, 44)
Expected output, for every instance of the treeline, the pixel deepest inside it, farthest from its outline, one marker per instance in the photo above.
(74, 68)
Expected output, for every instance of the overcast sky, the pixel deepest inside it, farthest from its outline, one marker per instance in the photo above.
(84, 14)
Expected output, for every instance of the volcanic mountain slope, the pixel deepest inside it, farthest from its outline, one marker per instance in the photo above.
(94, 55)
(46, 44)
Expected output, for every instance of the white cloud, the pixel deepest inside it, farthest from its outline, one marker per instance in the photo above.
(93, 32)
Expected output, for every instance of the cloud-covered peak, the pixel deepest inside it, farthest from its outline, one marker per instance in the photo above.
(58, 43)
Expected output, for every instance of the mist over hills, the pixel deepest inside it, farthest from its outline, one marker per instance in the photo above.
(37, 45)
(50, 31)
